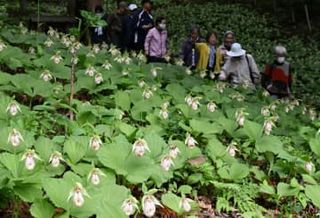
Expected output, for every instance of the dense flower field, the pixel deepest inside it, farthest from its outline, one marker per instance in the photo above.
(88, 131)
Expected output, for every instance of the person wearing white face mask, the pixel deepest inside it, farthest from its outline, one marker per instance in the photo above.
(277, 77)
(156, 44)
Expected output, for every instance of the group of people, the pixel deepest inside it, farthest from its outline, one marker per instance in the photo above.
(134, 29)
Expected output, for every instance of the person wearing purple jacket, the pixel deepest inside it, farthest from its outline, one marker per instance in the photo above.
(156, 42)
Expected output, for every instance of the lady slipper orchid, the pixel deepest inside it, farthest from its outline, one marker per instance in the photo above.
(166, 162)
(190, 141)
(130, 206)
(55, 159)
(140, 147)
(15, 138)
(13, 108)
(95, 143)
(95, 176)
(90, 71)
(77, 195)
(30, 159)
(149, 203)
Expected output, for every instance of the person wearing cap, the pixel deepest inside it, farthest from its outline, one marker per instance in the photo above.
(129, 27)
(277, 77)
(156, 44)
(116, 26)
(143, 22)
(228, 39)
(189, 53)
(240, 68)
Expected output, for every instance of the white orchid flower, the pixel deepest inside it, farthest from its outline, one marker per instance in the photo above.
(166, 162)
(95, 176)
(149, 203)
(130, 206)
(46, 76)
(140, 147)
(190, 141)
(95, 143)
(13, 108)
(55, 159)
(77, 195)
(30, 158)
(15, 138)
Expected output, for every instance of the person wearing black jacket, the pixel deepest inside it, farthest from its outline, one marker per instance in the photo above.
(143, 22)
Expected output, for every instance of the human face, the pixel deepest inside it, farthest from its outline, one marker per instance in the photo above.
(213, 39)
(228, 41)
(162, 25)
(147, 6)
(194, 35)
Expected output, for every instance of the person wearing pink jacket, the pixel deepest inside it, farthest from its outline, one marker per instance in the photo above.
(155, 45)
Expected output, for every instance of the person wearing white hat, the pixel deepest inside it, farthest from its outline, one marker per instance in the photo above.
(132, 7)
(240, 68)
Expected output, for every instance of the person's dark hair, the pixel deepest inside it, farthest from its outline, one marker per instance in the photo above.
(98, 9)
(210, 33)
(122, 4)
(159, 20)
(146, 1)
(194, 28)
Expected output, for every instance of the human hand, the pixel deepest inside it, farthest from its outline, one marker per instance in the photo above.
(222, 76)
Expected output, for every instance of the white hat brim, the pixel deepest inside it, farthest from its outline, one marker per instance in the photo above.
(236, 54)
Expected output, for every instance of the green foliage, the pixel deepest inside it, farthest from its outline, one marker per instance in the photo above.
(234, 165)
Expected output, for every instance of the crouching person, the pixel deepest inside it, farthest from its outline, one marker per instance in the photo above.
(277, 77)
(240, 68)
(155, 45)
